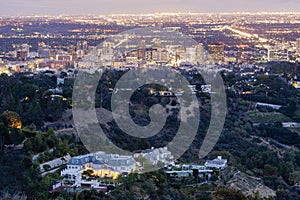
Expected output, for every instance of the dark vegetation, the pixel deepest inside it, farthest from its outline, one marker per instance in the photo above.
(241, 142)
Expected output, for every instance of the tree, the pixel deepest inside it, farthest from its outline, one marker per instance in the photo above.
(3, 134)
(34, 114)
(50, 131)
(229, 194)
(46, 167)
(294, 177)
(38, 144)
(28, 146)
(13, 118)
(270, 170)
(195, 173)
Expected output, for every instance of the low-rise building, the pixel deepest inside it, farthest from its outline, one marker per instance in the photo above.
(98, 164)
(56, 163)
(187, 171)
(162, 155)
(273, 106)
(217, 163)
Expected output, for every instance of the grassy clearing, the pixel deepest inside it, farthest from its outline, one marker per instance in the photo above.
(271, 117)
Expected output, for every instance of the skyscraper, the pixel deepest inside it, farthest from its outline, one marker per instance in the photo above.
(22, 55)
(216, 52)
(82, 45)
(190, 54)
(200, 53)
(142, 50)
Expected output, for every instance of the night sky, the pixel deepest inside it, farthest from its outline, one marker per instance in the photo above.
(55, 7)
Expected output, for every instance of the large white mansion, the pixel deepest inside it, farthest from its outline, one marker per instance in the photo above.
(100, 163)
(85, 170)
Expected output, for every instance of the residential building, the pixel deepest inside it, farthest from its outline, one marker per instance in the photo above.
(153, 155)
(100, 164)
(273, 106)
(217, 163)
(187, 171)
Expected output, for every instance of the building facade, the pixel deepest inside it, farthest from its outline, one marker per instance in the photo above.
(98, 164)
(217, 163)
(216, 52)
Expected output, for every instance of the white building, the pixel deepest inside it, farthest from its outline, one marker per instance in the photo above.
(55, 163)
(273, 106)
(157, 155)
(100, 164)
(217, 163)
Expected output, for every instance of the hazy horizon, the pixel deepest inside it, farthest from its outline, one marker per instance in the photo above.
(106, 7)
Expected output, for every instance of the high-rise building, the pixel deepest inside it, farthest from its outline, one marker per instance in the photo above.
(81, 49)
(79, 53)
(190, 55)
(216, 52)
(44, 52)
(200, 53)
(163, 55)
(180, 54)
(22, 55)
(82, 45)
(106, 54)
(142, 50)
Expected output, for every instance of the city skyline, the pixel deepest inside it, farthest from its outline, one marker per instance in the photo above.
(68, 7)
